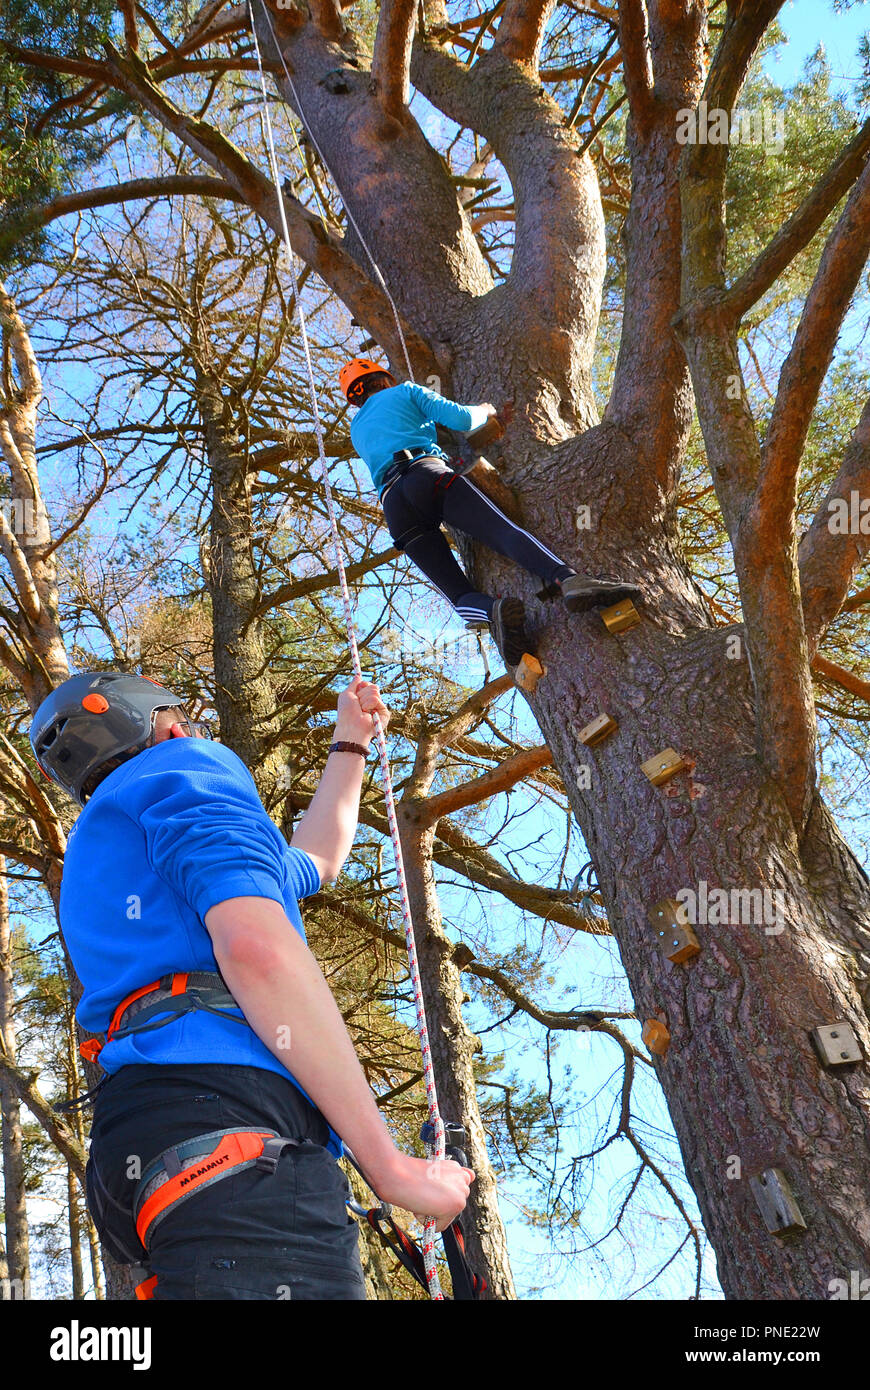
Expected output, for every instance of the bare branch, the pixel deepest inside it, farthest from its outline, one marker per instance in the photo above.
(498, 779)
(319, 249)
(131, 191)
(840, 676)
(314, 584)
(74, 67)
(24, 1085)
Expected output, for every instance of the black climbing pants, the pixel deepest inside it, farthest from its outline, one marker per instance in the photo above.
(429, 494)
(254, 1235)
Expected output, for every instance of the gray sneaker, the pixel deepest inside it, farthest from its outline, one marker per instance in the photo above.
(582, 592)
(508, 628)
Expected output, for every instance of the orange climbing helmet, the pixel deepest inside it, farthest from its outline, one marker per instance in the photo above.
(355, 372)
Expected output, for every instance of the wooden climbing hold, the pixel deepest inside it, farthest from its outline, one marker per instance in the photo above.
(663, 767)
(620, 617)
(836, 1044)
(528, 673)
(676, 937)
(656, 1036)
(776, 1202)
(600, 728)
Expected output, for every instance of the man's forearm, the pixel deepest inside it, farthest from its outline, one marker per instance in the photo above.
(282, 992)
(327, 829)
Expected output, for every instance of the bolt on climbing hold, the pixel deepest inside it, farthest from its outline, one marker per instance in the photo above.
(528, 673)
(836, 1044)
(776, 1202)
(600, 728)
(656, 1036)
(663, 766)
(675, 936)
(620, 617)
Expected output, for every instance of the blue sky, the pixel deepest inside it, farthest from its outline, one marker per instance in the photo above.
(809, 22)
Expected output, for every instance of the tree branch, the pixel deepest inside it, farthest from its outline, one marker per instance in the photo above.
(830, 556)
(319, 249)
(498, 779)
(391, 59)
(808, 360)
(840, 676)
(801, 227)
(131, 191)
(636, 62)
(299, 588)
(521, 30)
(24, 1085)
(327, 16)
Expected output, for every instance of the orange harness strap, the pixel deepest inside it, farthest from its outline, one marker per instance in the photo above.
(186, 1168)
(174, 995)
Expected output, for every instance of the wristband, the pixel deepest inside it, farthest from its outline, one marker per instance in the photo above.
(344, 747)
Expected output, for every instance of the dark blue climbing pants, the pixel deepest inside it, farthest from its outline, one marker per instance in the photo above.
(253, 1235)
(429, 494)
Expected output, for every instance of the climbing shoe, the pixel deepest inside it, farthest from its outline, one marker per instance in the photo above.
(582, 592)
(508, 628)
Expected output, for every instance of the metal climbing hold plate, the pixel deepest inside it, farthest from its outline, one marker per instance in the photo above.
(620, 617)
(776, 1202)
(836, 1044)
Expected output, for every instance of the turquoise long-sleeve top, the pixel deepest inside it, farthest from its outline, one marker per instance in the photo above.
(404, 417)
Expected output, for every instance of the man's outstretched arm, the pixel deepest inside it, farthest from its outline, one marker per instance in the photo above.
(327, 829)
(281, 990)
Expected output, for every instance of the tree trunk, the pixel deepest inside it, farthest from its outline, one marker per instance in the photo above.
(75, 1238)
(244, 696)
(454, 1047)
(14, 1175)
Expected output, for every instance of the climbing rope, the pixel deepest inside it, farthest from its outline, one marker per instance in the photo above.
(437, 1148)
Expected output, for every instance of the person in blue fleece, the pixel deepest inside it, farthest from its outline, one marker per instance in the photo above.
(179, 910)
(395, 435)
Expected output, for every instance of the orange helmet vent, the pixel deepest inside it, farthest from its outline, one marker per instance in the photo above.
(97, 704)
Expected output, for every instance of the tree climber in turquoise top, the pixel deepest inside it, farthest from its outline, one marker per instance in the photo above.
(394, 434)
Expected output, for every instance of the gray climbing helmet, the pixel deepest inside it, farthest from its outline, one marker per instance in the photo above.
(92, 718)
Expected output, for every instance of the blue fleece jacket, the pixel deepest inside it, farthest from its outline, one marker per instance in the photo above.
(404, 417)
(164, 837)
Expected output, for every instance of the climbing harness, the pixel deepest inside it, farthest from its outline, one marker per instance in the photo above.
(155, 1005)
(437, 1144)
(194, 1164)
(187, 1168)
